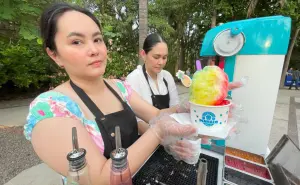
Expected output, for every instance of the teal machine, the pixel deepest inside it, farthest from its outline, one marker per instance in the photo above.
(255, 48)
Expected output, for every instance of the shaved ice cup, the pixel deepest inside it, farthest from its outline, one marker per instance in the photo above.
(209, 117)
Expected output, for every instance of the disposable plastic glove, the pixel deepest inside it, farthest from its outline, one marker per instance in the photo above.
(164, 126)
(184, 149)
(177, 138)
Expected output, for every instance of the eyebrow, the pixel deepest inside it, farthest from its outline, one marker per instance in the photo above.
(159, 55)
(81, 35)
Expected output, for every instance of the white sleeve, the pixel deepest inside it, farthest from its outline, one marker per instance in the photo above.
(174, 99)
(132, 80)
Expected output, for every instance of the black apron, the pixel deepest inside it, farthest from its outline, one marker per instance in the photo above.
(125, 119)
(158, 101)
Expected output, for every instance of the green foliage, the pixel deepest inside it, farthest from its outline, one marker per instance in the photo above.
(20, 18)
(291, 9)
(183, 24)
(24, 64)
(22, 59)
(121, 40)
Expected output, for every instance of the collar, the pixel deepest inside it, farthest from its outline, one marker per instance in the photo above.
(159, 75)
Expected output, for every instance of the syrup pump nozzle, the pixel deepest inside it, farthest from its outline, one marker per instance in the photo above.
(119, 156)
(74, 139)
(76, 157)
(118, 138)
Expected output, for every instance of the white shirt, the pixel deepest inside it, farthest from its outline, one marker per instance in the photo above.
(139, 83)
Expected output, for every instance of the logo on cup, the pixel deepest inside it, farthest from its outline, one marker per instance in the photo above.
(208, 119)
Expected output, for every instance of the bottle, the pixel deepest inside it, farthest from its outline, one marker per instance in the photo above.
(78, 171)
(120, 172)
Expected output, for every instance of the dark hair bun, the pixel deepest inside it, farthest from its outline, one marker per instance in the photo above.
(151, 40)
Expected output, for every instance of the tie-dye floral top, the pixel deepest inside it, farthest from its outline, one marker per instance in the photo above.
(54, 104)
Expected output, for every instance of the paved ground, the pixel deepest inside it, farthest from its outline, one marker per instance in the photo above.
(286, 118)
(16, 153)
(19, 155)
(13, 113)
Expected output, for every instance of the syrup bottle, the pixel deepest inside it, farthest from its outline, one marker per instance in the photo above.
(78, 171)
(120, 173)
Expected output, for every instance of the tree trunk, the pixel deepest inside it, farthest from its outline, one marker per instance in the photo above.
(143, 24)
(214, 15)
(288, 57)
(182, 54)
(251, 8)
(177, 53)
(282, 3)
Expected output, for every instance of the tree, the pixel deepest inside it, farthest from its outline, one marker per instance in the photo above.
(259, 8)
(186, 20)
(251, 8)
(22, 60)
(291, 8)
(214, 15)
(117, 18)
(284, 7)
(183, 25)
(143, 24)
(19, 19)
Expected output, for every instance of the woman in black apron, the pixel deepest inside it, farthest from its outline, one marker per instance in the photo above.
(163, 94)
(158, 101)
(72, 38)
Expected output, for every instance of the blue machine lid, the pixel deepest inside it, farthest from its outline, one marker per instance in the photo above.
(263, 36)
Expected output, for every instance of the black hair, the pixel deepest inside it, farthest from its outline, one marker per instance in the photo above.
(151, 40)
(49, 18)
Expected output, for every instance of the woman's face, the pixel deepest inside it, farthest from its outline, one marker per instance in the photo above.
(80, 47)
(156, 58)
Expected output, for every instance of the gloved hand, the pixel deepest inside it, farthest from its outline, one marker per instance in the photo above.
(183, 106)
(235, 85)
(236, 113)
(184, 149)
(164, 126)
(177, 138)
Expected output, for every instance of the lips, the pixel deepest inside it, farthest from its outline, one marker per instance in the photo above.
(95, 62)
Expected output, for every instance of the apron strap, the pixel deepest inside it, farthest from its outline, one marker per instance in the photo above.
(116, 95)
(90, 104)
(166, 83)
(87, 101)
(146, 76)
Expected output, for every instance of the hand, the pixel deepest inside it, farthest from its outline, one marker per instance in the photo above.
(238, 84)
(183, 106)
(164, 126)
(183, 149)
(236, 113)
(234, 85)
